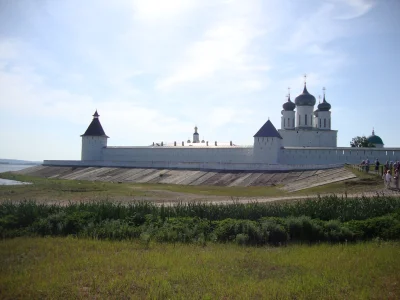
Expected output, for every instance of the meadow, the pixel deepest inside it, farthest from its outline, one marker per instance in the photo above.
(70, 268)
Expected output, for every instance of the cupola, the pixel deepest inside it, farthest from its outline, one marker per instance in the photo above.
(305, 98)
(324, 106)
(289, 105)
(375, 139)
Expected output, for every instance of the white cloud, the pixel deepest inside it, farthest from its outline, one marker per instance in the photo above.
(155, 10)
(351, 9)
(224, 47)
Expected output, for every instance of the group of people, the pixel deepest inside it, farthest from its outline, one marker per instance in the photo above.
(388, 168)
(387, 174)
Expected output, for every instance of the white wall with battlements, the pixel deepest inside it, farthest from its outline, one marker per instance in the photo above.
(300, 155)
(179, 154)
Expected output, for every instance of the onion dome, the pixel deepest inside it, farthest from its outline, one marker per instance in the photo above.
(305, 98)
(289, 105)
(375, 139)
(324, 106)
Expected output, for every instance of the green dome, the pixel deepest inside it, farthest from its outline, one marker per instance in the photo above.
(375, 139)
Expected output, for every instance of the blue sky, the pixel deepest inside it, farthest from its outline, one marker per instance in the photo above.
(154, 69)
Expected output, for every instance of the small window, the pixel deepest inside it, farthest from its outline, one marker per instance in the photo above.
(305, 120)
(324, 123)
(288, 122)
(284, 122)
(299, 120)
(320, 123)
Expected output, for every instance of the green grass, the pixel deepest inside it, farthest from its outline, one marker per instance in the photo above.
(60, 189)
(67, 268)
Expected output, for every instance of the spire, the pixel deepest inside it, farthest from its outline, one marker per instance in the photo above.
(305, 85)
(288, 94)
(95, 128)
(324, 89)
(373, 131)
(268, 130)
(196, 138)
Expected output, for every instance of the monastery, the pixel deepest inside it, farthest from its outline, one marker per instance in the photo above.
(305, 141)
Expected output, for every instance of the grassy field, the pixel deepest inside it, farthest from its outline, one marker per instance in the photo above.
(78, 190)
(67, 268)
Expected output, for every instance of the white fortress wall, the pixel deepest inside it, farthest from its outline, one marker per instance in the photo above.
(179, 154)
(308, 138)
(300, 155)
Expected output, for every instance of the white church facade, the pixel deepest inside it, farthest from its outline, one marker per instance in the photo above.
(304, 141)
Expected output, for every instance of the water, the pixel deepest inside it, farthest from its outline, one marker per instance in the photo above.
(7, 168)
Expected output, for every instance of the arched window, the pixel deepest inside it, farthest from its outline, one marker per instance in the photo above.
(299, 120)
(319, 123)
(284, 122)
(305, 118)
(324, 123)
(288, 122)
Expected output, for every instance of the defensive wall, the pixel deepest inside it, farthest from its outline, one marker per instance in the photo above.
(232, 158)
(339, 155)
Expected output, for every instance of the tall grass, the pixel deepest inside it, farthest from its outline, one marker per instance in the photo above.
(324, 208)
(329, 218)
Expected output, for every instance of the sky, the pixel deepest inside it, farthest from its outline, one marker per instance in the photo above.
(154, 69)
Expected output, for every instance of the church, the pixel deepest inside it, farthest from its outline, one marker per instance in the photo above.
(304, 141)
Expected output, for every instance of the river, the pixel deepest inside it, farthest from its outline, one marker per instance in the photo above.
(9, 167)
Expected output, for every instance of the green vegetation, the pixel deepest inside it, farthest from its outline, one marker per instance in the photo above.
(69, 268)
(361, 141)
(328, 218)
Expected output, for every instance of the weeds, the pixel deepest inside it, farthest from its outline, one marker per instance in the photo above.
(330, 219)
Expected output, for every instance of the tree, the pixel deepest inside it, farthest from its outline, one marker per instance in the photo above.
(361, 141)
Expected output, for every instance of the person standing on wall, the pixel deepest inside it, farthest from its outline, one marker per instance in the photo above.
(396, 179)
(388, 179)
(377, 166)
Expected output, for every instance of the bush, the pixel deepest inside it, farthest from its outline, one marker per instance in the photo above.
(276, 233)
